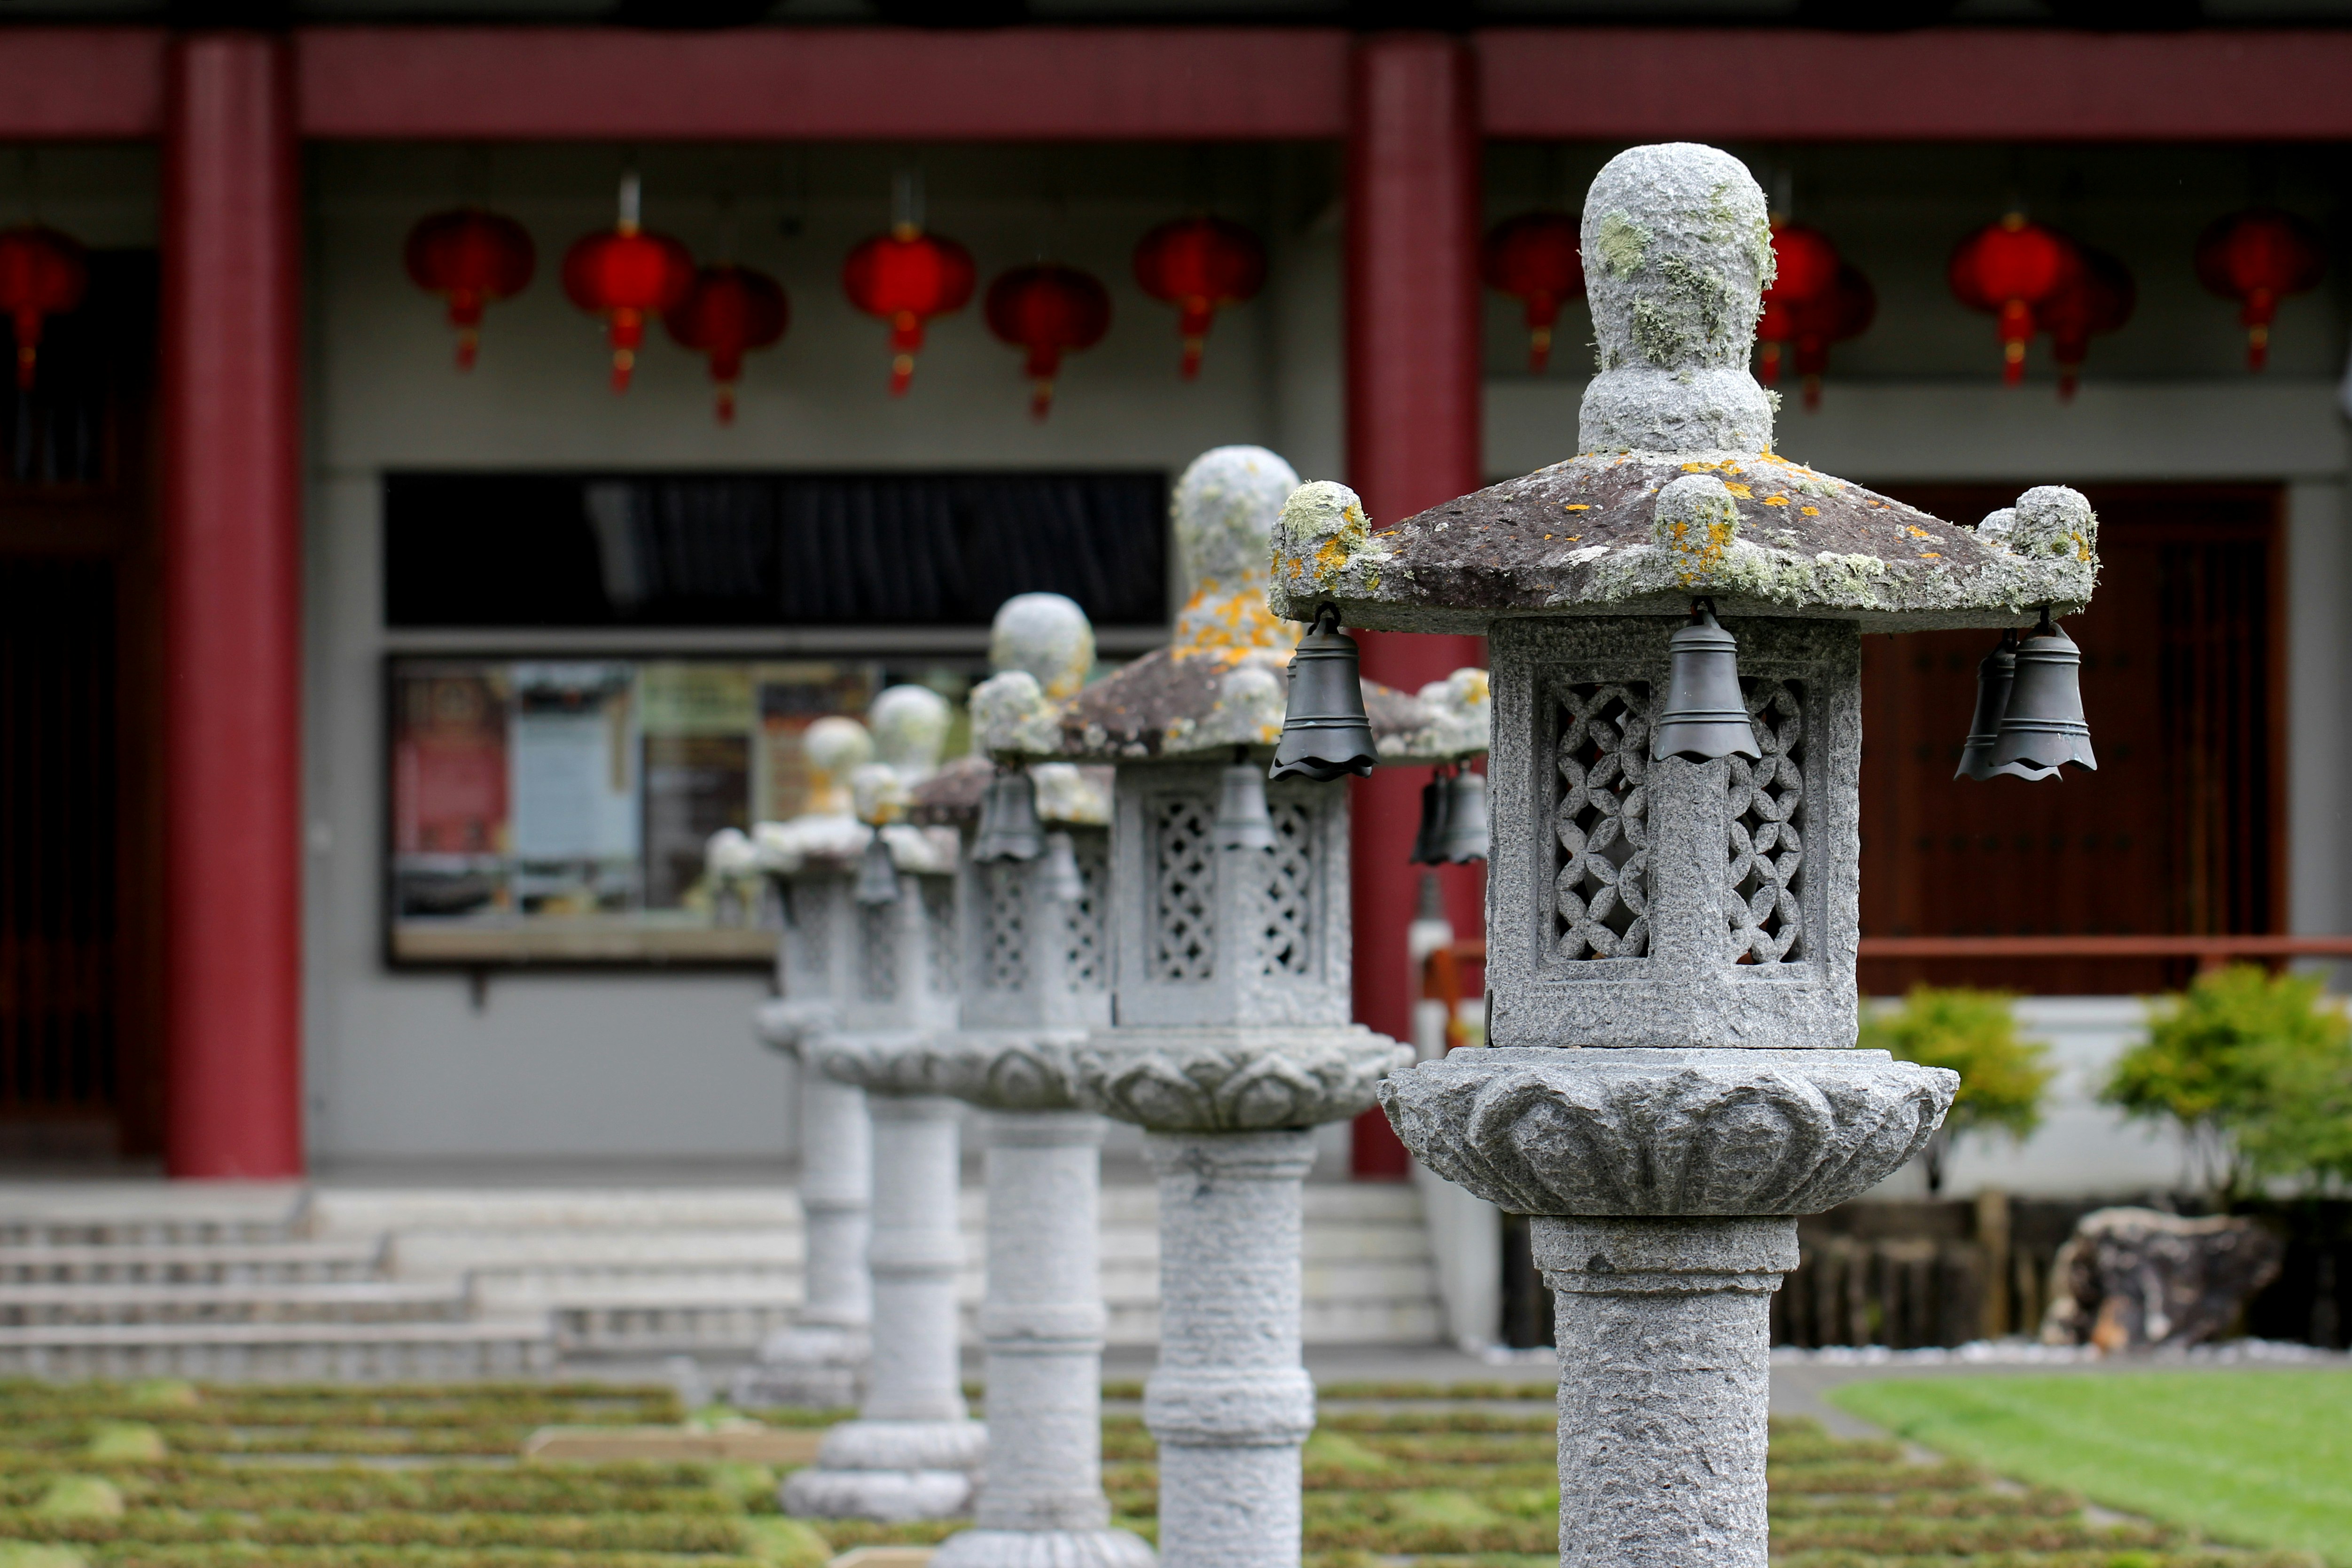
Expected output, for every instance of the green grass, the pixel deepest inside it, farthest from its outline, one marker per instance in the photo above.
(2259, 1459)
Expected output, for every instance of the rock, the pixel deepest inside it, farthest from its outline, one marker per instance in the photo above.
(2137, 1279)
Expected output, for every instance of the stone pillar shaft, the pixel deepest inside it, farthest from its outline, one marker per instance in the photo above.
(836, 1196)
(1229, 1402)
(1664, 1335)
(1043, 1325)
(914, 1255)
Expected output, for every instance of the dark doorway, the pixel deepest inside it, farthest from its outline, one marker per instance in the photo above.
(79, 850)
(2180, 832)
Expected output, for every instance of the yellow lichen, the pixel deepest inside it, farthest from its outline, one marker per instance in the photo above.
(1576, 506)
(1776, 501)
(1745, 494)
(1811, 511)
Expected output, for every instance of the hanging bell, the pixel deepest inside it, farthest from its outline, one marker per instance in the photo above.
(1434, 799)
(1064, 884)
(1463, 835)
(1325, 733)
(1243, 820)
(2043, 727)
(877, 873)
(1009, 828)
(1705, 716)
(1996, 673)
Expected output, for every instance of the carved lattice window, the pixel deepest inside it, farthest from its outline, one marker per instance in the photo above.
(1004, 937)
(1600, 899)
(877, 979)
(1290, 891)
(1185, 873)
(1083, 934)
(1766, 854)
(809, 918)
(942, 959)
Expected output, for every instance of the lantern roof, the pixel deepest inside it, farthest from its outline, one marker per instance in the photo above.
(1678, 492)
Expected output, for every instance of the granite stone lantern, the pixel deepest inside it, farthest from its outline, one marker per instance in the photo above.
(1229, 1035)
(811, 861)
(1036, 982)
(1672, 917)
(913, 1451)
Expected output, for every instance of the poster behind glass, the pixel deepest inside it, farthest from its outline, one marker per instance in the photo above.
(556, 809)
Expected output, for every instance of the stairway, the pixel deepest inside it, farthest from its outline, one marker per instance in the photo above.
(141, 1279)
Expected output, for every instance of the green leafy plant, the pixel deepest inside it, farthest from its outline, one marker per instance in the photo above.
(2003, 1079)
(2255, 1071)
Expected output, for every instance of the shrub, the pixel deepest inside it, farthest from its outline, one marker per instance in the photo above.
(2256, 1073)
(1974, 1033)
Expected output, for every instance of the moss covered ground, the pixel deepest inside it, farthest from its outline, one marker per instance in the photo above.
(171, 1475)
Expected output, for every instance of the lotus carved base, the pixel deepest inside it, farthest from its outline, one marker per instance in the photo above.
(1666, 1131)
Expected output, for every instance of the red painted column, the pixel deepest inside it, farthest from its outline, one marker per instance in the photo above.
(232, 518)
(1413, 426)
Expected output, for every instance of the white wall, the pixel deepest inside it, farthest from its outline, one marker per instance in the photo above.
(638, 1065)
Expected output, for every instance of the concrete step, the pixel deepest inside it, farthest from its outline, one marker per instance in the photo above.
(303, 1352)
(361, 1301)
(49, 1214)
(262, 1262)
(367, 1212)
(612, 1252)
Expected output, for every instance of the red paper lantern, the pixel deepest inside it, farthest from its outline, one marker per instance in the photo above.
(625, 276)
(43, 273)
(731, 309)
(1840, 312)
(2097, 299)
(906, 277)
(470, 259)
(1804, 270)
(1051, 311)
(1200, 266)
(2258, 257)
(1538, 259)
(2007, 269)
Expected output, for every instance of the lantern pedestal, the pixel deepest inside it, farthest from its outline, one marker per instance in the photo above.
(821, 1359)
(1042, 1503)
(1229, 1403)
(913, 1451)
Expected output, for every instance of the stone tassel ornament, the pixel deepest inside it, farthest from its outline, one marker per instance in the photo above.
(1671, 1077)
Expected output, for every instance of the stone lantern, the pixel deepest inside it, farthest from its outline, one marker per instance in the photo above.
(1671, 917)
(913, 1451)
(1036, 982)
(811, 861)
(1229, 1034)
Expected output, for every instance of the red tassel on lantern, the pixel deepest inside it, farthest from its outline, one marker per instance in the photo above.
(43, 273)
(731, 309)
(1200, 266)
(2258, 257)
(2007, 269)
(1538, 259)
(1049, 310)
(1842, 312)
(1804, 270)
(625, 276)
(2098, 299)
(906, 277)
(470, 259)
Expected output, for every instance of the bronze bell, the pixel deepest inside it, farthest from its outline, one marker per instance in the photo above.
(1325, 733)
(877, 873)
(1996, 673)
(1064, 882)
(1705, 716)
(1463, 838)
(1243, 820)
(1009, 828)
(1434, 799)
(2043, 727)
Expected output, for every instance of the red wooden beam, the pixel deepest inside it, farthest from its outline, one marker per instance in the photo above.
(232, 506)
(1976, 84)
(603, 83)
(81, 84)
